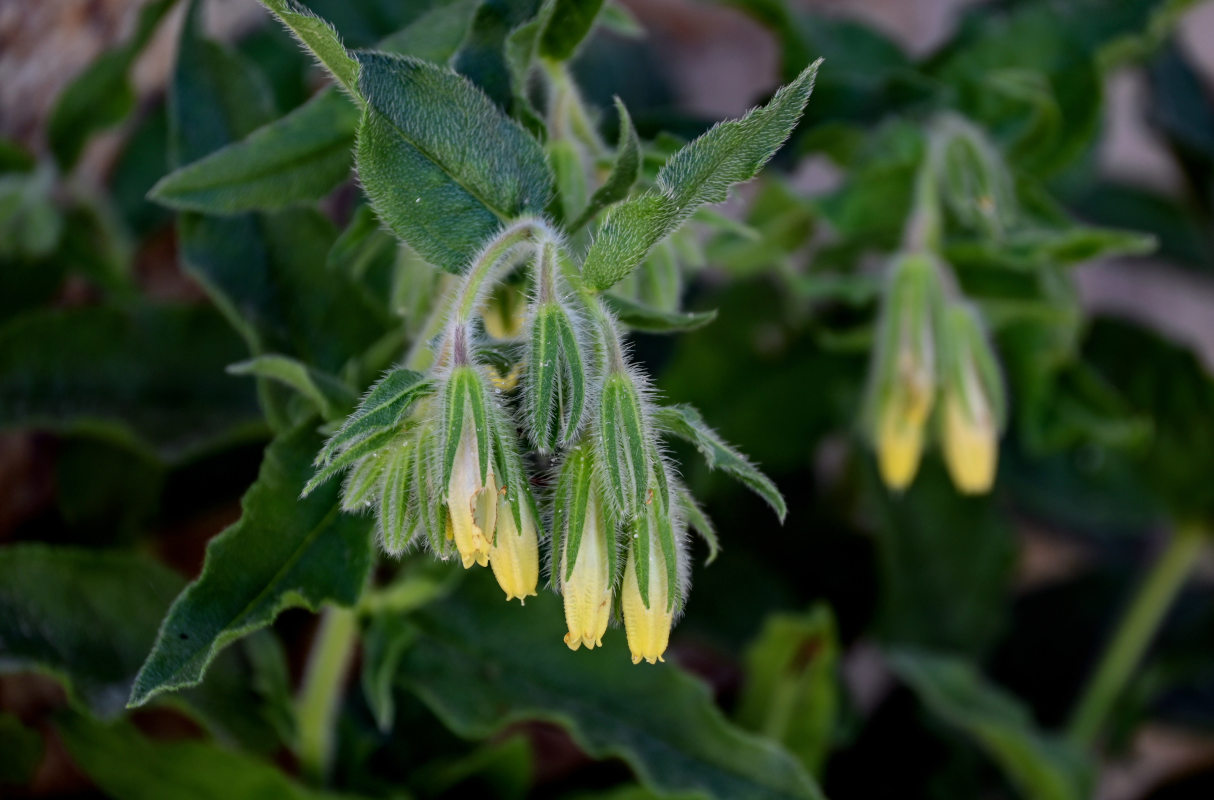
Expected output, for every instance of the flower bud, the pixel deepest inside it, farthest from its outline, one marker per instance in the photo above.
(902, 384)
(587, 560)
(470, 483)
(514, 554)
(556, 395)
(647, 596)
(973, 404)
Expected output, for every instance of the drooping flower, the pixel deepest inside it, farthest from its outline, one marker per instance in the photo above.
(514, 553)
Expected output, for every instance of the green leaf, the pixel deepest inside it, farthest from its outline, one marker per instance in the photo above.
(442, 165)
(791, 690)
(624, 170)
(483, 56)
(328, 395)
(294, 160)
(101, 95)
(284, 552)
(1042, 767)
(645, 318)
(124, 763)
(22, 752)
(319, 37)
(698, 174)
(87, 617)
(481, 667)
(146, 377)
(686, 423)
(569, 23)
(435, 35)
(934, 546)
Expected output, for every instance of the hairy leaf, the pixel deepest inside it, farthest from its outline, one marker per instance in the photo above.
(320, 38)
(686, 423)
(624, 170)
(568, 24)
(645, 318)
(283, 552)
(481, 667)
(698, 174)
(326, 392)
(443, 167)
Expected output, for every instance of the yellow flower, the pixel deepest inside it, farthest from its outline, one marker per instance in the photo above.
(901, 426)
(514, 554)
(472, 506)
(648, 628)
(587, 591)
(970, 441)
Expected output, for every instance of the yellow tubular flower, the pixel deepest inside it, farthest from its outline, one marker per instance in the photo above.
(472, 506)
(970, 441)
(648, 628)
(587, 591)
(515, 554)
(899, 447)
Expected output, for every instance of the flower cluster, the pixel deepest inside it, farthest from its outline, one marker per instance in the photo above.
(456, 457)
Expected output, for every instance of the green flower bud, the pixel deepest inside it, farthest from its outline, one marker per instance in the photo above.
(624, 443)
(556, 377)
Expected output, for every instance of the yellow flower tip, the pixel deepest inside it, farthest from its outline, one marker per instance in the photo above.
(636, 657)
(648, 628)
(587, 589)
(899, 448)
(515, 555)
(574, 642)
(970, 448)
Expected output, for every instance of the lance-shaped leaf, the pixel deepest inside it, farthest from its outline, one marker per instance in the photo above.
(686, 423)
(568, 23)
(101, 95)
(645, 318)
(125, 763)
(88, 617)
(327, 394)
(624, 170)
(283, 552)
(319, 37)
(443, 167)
(294, 160)
(1041, 766)
(623, 443)
(381, 411)
(700, 173)
(481, 667)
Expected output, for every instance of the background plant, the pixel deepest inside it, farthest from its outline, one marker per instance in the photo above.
(324, 339)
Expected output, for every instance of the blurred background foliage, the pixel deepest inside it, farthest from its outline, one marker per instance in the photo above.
(924, 644)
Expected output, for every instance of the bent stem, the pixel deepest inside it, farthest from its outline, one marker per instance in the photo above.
(1134, 633)
(320, 695)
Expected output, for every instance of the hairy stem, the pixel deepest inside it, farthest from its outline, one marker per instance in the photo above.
(1134, 633)
(320, 695)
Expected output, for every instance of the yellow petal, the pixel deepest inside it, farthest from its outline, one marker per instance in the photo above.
(514, 555)
(970, 447)
(899, 448)
(469, 515)
(587, 591)
(648, 629)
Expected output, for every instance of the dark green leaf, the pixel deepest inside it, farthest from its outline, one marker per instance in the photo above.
(146, 377)
(284, 552)
(482, 57)
(1041, 766)
(383, 408)
(686, 423)
(295, 160)
(87, 617)
(569, 23)
(435, 35)
(101, 95)
(640, 317)
(791, 691)
(480, 666)
(443, 166)
(124, 763)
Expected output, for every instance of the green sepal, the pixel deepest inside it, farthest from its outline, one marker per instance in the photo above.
(506, 463)
(426, 495)
(362, 484)
(574, 486)
(384, 406)
(641, 531)
(623, 444)
(465, 396)
(686, 423)
(965, 346)
(573, 398)
(397, 517)
(344, 460)
(543, 365)
(699, 522)
(662, 509)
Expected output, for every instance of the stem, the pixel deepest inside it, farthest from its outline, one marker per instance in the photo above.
(320, 695)
(567, 115)
(479, 277)
(1135, 632)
